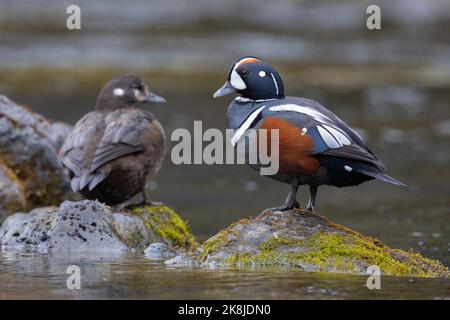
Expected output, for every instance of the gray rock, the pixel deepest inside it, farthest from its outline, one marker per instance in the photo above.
(89, 226)
(12, 198)
(159, 251)
(305, 241)
(29, 162)
(184, 260)
(72, 227)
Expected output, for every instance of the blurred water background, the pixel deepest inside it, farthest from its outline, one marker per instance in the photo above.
(391, 84)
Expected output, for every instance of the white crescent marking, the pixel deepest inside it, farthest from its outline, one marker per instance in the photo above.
(238, 134)
(236, 81)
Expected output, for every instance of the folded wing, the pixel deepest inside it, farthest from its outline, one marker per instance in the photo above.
(98, 139)
(332, 137)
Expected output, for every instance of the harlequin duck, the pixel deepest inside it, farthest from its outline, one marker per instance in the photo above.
(315, 146)
(112, 151)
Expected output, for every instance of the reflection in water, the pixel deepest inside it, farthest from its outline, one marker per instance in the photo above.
(132, 276)
(393, 85)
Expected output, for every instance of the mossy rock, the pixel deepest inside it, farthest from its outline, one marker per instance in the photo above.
(310, 242)
(164, 224)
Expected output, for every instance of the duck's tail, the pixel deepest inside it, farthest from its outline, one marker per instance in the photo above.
(383, 177)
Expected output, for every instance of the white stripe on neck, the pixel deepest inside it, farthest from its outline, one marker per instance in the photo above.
(243, 99)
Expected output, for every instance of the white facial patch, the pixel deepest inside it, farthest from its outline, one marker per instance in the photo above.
(140, 96)
(348, 169)
(236, 81)
(262, 74)
(119, 92)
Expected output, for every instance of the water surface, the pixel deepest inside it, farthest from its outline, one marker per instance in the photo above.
(131, 276)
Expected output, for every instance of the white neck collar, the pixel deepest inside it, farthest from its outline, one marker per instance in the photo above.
(242, 99)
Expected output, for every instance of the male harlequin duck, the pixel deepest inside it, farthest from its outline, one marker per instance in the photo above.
(315, 146)
(112, 151)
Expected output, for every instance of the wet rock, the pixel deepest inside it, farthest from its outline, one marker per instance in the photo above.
(92, 226)
(185, 259)
(159, 251)
(309, 242)
(30, 171)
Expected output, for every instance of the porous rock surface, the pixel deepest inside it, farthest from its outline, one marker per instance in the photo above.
(92, 226)
(30, 171)
(307, 241)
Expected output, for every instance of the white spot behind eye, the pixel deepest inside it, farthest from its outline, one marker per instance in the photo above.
(119, 92)
(347, 168)
(262, 74)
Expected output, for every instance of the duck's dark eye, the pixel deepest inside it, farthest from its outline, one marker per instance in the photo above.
(244, 72)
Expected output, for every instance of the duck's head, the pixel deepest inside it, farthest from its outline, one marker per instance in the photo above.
(254, 79)
(125, 91)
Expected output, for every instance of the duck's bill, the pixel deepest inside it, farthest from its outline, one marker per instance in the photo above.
(151, 97)
(227, 88)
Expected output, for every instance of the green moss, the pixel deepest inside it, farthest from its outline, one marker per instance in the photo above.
(217, 242)
(239, 259)
(339, 252)
(167, 225)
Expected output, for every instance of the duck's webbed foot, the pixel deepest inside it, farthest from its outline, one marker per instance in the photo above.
(146, 199)
(143, 200)
(312, 198)
(291, 201)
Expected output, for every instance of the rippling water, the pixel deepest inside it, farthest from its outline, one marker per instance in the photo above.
(392, 85)
(131, 276)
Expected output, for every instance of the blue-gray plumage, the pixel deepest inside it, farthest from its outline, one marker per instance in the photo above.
(316, 147)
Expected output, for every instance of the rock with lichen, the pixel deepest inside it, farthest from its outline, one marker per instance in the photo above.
(30, 171)
(92, 226)
(309, 242)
